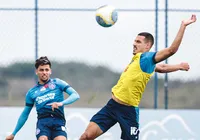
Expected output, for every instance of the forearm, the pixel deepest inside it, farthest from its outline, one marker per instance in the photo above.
(22, 119)
(74, 96)
(167, 52)
(177, 41)
(166, 68)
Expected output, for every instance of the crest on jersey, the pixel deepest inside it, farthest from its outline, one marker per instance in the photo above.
(52, 86)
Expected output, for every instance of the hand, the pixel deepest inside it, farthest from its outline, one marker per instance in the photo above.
(189, 21)
(184, 66)
(55, 105)
(10, 137)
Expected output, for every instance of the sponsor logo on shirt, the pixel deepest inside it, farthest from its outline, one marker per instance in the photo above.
(46, 97)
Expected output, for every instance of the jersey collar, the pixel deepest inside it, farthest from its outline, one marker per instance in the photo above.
(44, 83)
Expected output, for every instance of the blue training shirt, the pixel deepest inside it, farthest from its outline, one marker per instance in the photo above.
(41, 95)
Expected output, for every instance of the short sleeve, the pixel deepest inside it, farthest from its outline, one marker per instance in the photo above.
(147, 62)
(62, 84)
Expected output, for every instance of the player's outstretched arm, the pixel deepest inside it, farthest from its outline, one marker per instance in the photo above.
(21, 121)
(166, 68)
(73, 96)
(165, 53)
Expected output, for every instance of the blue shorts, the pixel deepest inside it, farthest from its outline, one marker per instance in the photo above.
(126, 116)
(51, 127)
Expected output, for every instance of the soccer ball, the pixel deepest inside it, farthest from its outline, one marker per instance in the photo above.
(106, 16)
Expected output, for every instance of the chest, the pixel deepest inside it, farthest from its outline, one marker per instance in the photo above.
(48, 91)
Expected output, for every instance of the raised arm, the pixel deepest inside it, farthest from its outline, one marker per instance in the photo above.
(165, 53)
(166, 68)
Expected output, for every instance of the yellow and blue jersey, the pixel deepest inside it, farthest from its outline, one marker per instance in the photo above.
(134, 79)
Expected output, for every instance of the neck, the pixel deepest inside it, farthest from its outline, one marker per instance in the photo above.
(42, 82)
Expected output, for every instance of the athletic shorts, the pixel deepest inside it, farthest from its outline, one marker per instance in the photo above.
(51, 127)
(126, 116)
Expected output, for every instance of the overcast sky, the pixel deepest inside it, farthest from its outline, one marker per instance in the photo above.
(69, 35)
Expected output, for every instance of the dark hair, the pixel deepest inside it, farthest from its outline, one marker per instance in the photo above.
(148, 37)
(42, 61)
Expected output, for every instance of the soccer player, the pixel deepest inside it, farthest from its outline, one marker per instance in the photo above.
(47, 95)
(123, 107)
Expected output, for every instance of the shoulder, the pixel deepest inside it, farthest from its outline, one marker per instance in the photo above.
(59, 81)
(150, 56)
(30, 94)
(56, 80)
(147, 62)
(31, 90)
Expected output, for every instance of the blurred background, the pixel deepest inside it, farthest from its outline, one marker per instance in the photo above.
(91, 58)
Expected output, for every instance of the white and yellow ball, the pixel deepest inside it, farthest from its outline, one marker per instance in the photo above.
(106, 16)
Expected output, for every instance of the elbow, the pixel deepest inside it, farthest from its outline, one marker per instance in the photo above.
(77, 96)
(25, 116)
(162, 71)
(25, 119)
(172, 51)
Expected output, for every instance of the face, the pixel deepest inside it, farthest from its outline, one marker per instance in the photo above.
(43, 72)
(140, 45)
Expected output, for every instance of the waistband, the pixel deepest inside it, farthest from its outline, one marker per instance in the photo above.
(50, 115)
(119, 104)
(119, 101)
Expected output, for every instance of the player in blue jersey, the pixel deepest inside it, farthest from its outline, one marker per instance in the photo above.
(123, 107)
(47, 96)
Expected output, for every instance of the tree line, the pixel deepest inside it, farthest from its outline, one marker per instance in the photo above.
(94, 83)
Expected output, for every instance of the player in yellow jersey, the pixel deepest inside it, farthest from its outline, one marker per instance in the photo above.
(126, 94)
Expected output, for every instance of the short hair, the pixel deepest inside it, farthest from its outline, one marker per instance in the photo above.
(42, 61)
(148, 37)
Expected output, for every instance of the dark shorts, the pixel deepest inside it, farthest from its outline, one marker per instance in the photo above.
(126, 116)
(51, 127)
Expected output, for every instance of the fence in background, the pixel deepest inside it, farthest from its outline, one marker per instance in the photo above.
(34, 28)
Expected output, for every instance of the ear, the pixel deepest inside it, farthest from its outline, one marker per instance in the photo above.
(148, 46)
